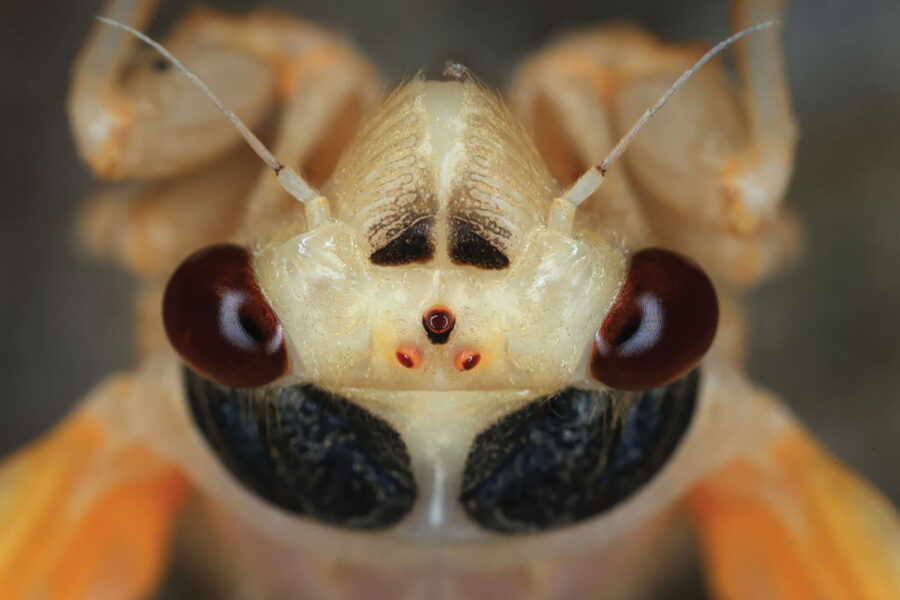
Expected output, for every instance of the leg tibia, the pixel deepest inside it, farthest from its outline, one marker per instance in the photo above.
(713, 162)
(791, 523)
(133, 116)
(85, 513)
(150, 228)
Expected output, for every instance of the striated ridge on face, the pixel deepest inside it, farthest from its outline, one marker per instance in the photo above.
(500, 188)
(442, 174)
(382, 185)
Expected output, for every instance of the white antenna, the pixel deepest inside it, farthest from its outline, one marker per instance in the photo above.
(290, 180)
(592, 179)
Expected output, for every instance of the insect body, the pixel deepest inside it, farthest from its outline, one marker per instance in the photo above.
(454, 368)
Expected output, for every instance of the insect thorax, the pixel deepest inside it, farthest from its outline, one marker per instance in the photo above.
(441, 200)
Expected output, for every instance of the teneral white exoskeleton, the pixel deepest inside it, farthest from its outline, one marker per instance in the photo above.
(443, 362)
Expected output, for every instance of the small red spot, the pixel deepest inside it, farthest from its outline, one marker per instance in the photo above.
(409, 357)
(467, 360)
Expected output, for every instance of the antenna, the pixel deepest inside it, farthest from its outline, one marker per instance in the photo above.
(315, 204)
(563, 208)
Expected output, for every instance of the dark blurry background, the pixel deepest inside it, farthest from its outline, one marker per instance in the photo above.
(824, 336)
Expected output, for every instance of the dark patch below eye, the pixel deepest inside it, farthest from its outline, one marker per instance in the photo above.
(414, 245)
(307, 450)
(567, 458)
(469, 248)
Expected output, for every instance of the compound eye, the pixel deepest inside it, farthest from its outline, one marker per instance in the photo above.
(218, 321)
(660, 326)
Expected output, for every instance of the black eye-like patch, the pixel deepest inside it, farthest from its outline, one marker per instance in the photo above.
(567, 458)
(414, 245)
(307, 450)
(469, 248)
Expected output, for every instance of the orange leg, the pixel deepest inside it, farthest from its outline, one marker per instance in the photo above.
(86, 514)
(792, 523)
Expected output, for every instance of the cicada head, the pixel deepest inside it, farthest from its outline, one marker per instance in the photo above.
(439, 358)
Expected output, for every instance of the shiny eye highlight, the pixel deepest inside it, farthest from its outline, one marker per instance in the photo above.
(217, 319)
(660, 326)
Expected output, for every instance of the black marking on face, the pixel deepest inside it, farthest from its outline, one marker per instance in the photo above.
(567, 458)
(414, 245)
(438, 338)
(307, 450)
(467, 247)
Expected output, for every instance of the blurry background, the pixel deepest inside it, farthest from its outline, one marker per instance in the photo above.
(824, 336)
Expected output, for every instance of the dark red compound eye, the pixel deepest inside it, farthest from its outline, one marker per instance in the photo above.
(660, 326)
(218, 321)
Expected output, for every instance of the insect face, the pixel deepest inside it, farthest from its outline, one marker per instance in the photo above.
(439, 273)
(352, 323)
(454, 351)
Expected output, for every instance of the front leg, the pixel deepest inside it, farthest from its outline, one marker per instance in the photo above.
(787, 521)
(89, 510)
(709, 170)
(133, 116)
